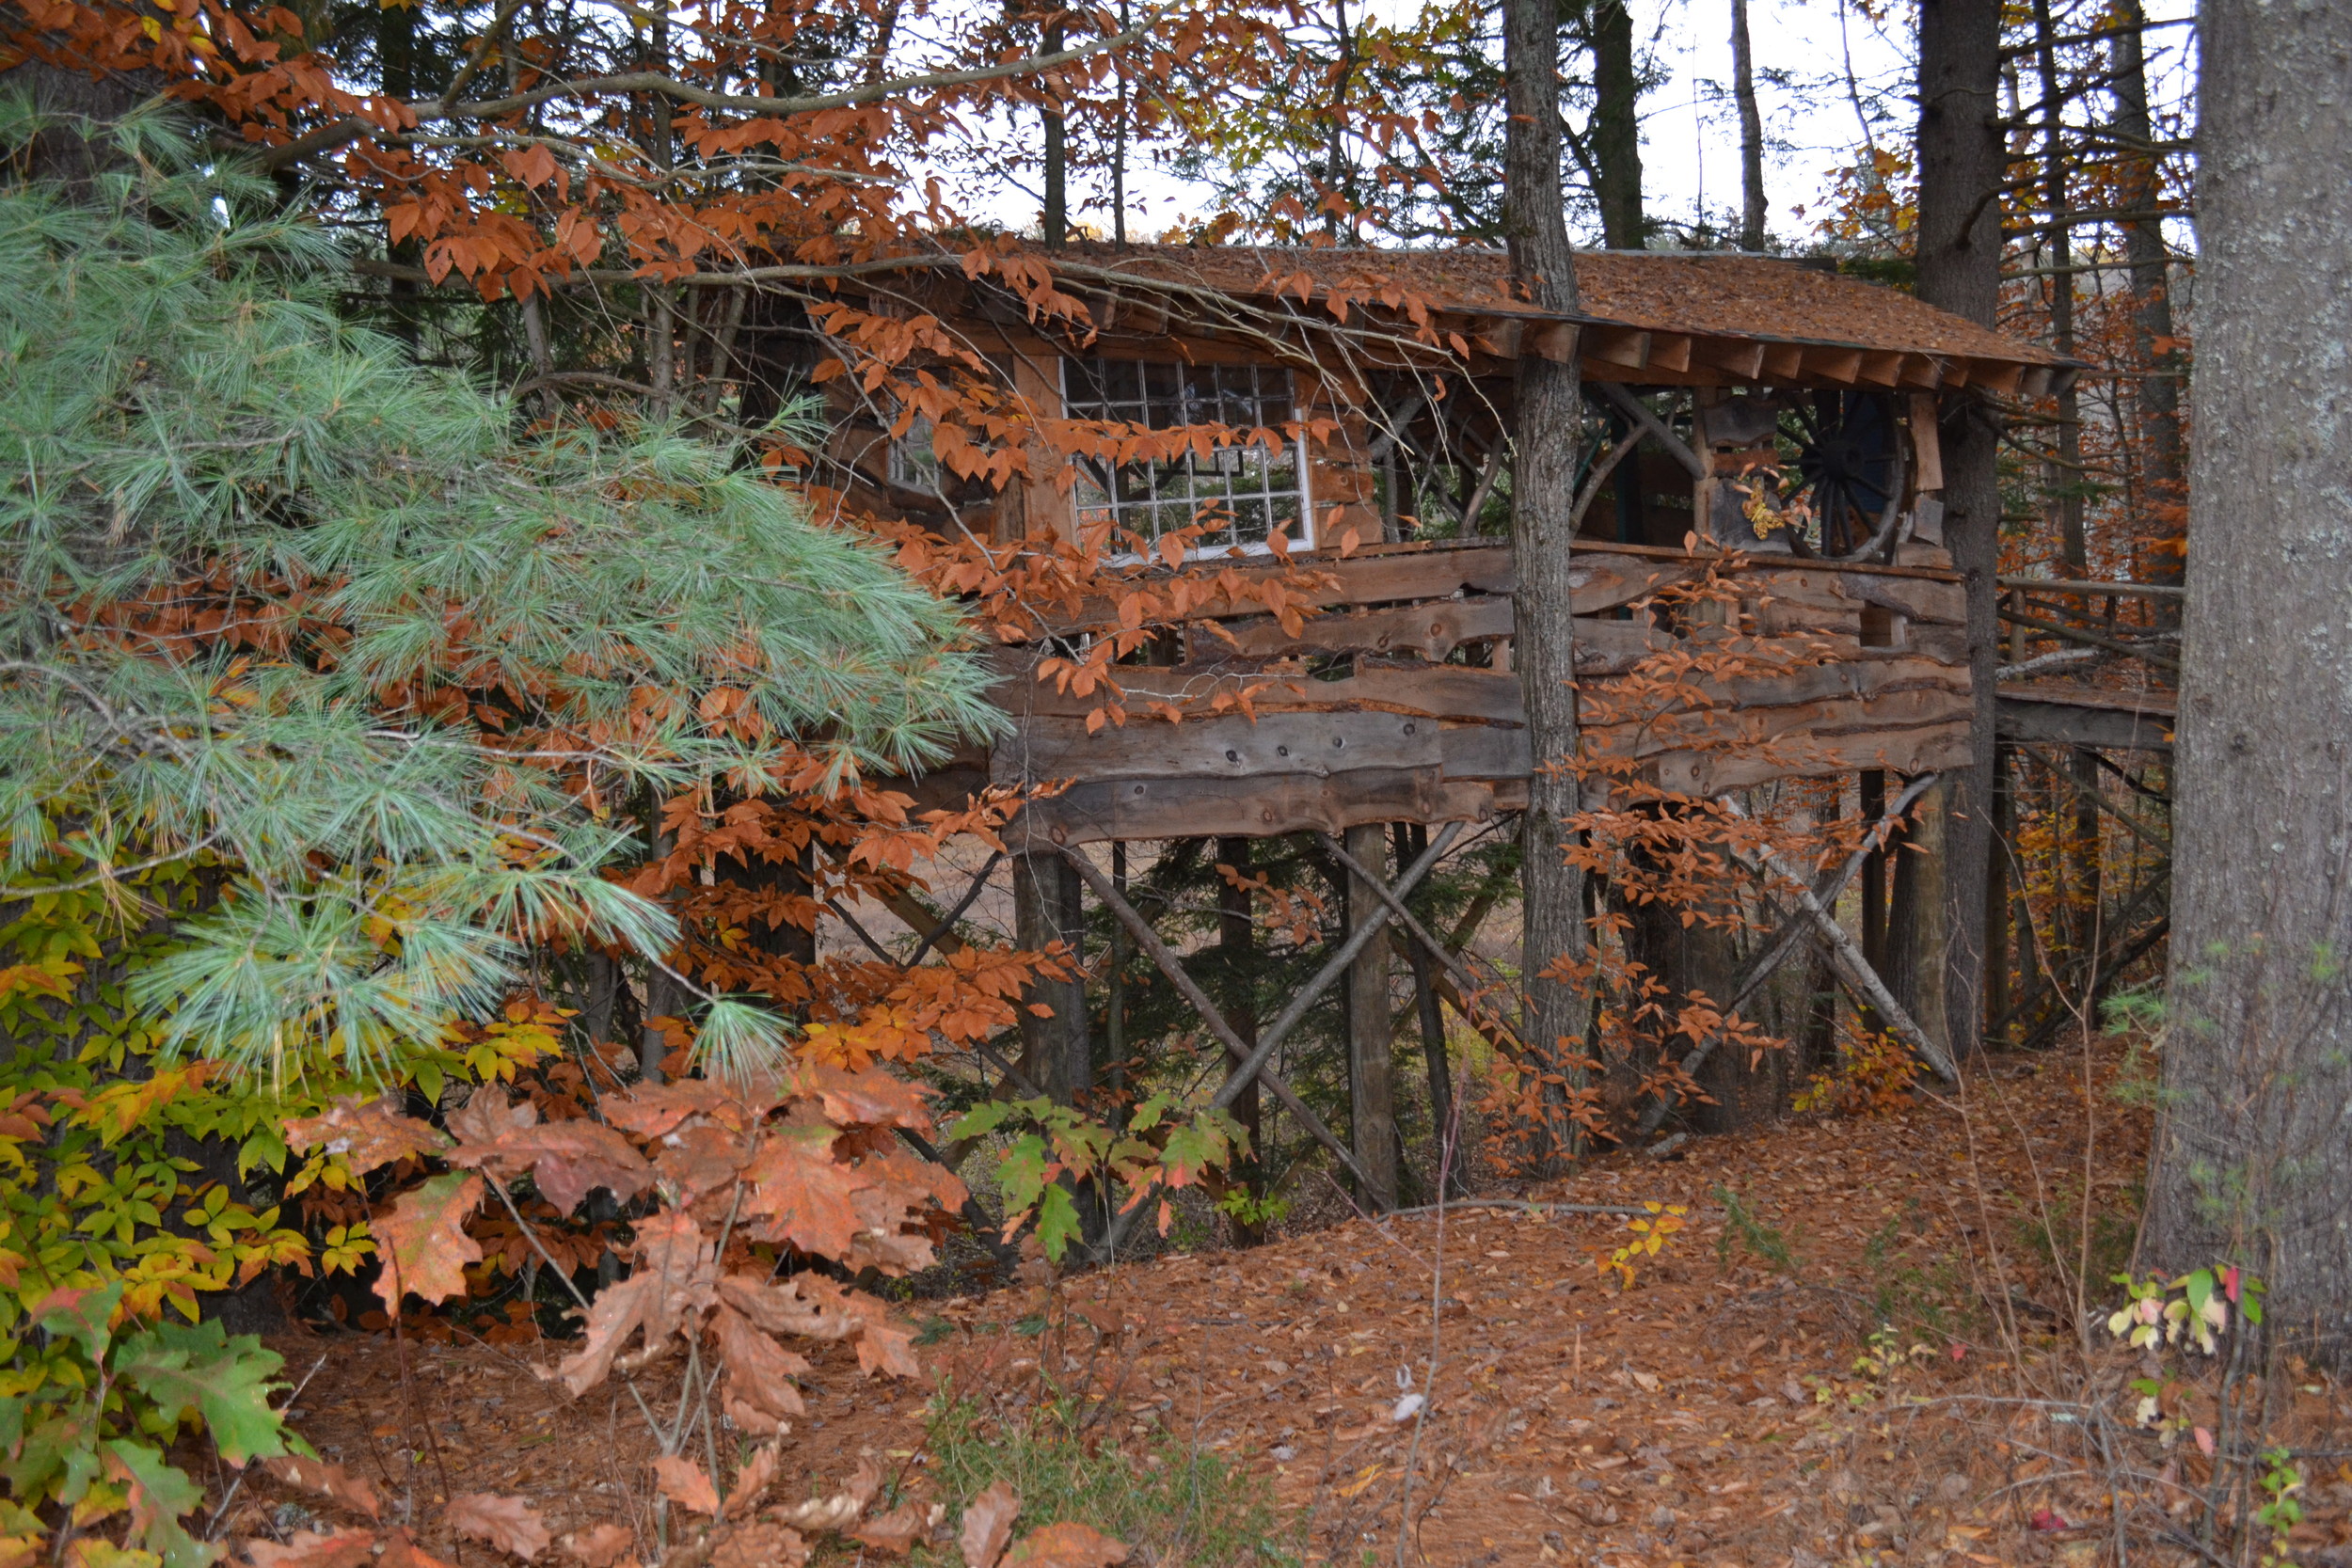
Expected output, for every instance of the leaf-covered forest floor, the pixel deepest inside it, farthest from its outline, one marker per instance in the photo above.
(1873, 1357)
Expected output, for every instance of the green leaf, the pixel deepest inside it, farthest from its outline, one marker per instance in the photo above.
(1021, 1175)
(160, 1495)
(980, 1121)
(1057, 1222)
(226, 1380)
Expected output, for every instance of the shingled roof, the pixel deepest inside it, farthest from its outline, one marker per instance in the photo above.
(1651, 316)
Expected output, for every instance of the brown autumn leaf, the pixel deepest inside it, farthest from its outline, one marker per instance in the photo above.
(760, 1543)
(804, 1304)
(402, 1551)
(1066, 1545)
(898, 1531)
(425, 1246)
(884, 1349)
(567, 1159)
(988, 1525)
(342, 1548)
(802, 1192)
(331, 1481)
(685, 1483)
(510, 1524)
(760, 1373)
(673, 1278)
(753, 1480)
(697, 1162)
(654, 1110)
(487, 1115)
(841, 1510)
(601, 1545)
(870, 1095)
(366, 1132)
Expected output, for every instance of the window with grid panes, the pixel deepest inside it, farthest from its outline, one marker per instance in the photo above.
(1242, 491)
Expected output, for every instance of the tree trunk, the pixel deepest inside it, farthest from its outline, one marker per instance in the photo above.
(1056, 1052)
(1961, 164)
(1056, 214)
(2254, 1154)
(2159, 360)
(1547, 417)
(1752, 213)
(1616, 133)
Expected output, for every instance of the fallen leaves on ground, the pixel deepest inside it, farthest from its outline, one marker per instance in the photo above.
(510, 1524)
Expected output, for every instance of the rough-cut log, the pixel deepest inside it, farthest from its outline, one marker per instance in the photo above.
(2039, 719)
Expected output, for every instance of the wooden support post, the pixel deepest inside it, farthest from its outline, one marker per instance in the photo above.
(1371, 1039)
(1055, 1050)
(1922, 870)
(1997, 922)
(1236, 942)
(1426, 1012)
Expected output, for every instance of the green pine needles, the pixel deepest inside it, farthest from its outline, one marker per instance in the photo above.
(404, 679)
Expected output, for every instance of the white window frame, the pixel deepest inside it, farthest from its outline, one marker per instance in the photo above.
(1304, 537)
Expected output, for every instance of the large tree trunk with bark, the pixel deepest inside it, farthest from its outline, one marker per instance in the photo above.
(1616, 132)
(1547, 418)
(1961, 164)
(2254, 1154)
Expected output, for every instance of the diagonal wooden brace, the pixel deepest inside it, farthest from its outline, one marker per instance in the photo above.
(1197, 999)
(1466, 984)
(1845, 958)
(1793, 930)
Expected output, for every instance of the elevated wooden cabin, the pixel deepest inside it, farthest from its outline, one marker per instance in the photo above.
(1707, 372)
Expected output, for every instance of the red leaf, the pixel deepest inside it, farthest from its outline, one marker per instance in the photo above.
(425, 1246)
(2046, 1519)
(510, 1524)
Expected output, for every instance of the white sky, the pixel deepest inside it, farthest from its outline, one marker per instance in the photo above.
(1690, 151)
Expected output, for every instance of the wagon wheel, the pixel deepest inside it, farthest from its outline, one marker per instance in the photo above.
(1850, 469)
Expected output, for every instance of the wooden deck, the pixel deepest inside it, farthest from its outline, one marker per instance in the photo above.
(1359, 717)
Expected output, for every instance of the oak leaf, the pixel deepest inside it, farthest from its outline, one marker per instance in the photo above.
(424, 1241)
(884, 1349)
(898, 1531)
(342, 1548)
(655, 1109)
(331, 1481)
(487, 1115)
(842, 1509)
(402, 1551)
(870, 1095)
(366, 1132)
(760, 1373)
(567, 1159)
(698, 1160)
(988, 1525)
(600, 1546)
(802, 1192)
(1066, 1545)
(685, 1483)
(510, 1524)
(674, 1276)
(816, 1309)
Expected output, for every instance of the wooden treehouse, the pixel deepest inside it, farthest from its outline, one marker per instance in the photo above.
(1763, 420)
